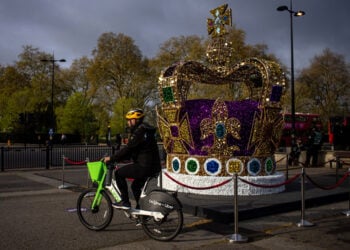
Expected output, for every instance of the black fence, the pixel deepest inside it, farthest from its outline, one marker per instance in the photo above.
(49, 157)
(41, 139)
(46, 157)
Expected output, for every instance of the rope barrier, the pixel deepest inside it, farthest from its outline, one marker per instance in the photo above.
(66, 160)
(289, 168)
(345, 163)
(331, 160)
(323, 164)
(74, 162)
(197, 188)
(271, 186)
(342, 162)
(281, 159)
(346, 175)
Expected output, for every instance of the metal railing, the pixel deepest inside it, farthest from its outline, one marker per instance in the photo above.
(28, 157)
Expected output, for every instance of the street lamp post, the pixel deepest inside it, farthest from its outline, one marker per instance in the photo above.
(292, 14)
(53, 60)
(109, 135)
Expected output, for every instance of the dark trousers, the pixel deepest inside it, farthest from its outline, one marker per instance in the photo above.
(312, 153)
(294, 158)
(136, 172)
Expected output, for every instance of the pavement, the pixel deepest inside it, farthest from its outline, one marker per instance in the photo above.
(327, 187)
(213, 216)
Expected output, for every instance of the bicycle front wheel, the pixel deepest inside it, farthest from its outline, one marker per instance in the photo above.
(97, 218)
(165, 229)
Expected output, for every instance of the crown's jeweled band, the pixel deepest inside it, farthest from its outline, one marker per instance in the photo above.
(223, 166)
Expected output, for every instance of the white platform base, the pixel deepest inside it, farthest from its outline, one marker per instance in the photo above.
(224, 190)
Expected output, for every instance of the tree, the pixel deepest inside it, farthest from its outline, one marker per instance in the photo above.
(325, 84)
(77, 78)
(241, 50)
(10, 83)
(177, 49)
(115, 79)
(193, 48)
(118, 70)
(118, 122)
(26, 90)
(77, 117)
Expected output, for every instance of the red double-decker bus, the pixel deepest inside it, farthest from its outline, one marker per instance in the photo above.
(303, 124)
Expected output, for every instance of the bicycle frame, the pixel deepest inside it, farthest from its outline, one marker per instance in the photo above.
(98, 173)
(160, 215)
(100, 188)
(115, 192)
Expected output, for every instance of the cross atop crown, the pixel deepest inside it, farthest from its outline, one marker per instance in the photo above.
(222, 17)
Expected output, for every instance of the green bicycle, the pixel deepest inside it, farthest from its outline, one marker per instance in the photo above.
(160, 212)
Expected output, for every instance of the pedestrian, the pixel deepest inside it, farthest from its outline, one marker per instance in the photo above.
(39, 140)
(63, 139)
(142, 149)
(294, 155)
(313, 147)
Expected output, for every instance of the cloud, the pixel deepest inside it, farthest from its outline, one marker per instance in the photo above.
(70, 28)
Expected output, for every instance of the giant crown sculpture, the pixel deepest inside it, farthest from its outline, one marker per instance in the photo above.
(217, 137)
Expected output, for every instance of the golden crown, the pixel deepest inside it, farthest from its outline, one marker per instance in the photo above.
(221, 137)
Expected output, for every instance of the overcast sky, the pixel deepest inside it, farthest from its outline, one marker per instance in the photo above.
(70, 28)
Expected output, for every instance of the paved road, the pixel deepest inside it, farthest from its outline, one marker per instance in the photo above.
(35, 214)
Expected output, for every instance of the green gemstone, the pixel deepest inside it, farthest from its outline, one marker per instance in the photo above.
(269, 165)
(192, 166)
(168, 95)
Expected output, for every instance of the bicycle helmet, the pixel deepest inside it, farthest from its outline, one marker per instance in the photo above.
(135, 114)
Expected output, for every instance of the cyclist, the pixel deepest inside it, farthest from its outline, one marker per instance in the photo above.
(143, 150)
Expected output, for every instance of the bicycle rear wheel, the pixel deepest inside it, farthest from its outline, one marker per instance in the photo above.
(97, 218)
(165, 229)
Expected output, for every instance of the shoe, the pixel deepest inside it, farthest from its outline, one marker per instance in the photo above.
(122, 205)
(138, 222)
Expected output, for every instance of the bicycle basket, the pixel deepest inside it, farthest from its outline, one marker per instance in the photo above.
(96, 170)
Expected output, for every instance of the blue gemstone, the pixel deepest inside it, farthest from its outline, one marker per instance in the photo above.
(220, 130)
(212, 166)
(176, 165)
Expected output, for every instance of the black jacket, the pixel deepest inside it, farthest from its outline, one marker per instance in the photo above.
(142, 148)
